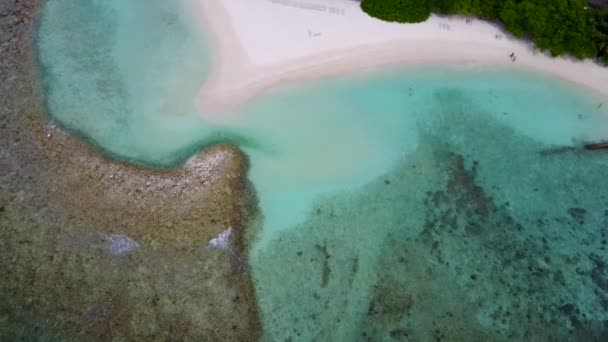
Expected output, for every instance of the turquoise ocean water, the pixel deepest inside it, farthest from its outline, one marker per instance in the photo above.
(397, 205)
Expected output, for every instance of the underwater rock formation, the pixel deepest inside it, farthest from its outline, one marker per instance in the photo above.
(459, 242)
(60, 200)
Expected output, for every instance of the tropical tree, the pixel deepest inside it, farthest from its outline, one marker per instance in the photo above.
(557, 26)
(403, 11)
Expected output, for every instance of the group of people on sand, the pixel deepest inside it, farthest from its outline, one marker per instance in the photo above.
(513, 57)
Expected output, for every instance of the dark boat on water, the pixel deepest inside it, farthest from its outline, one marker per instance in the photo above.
(597, 146)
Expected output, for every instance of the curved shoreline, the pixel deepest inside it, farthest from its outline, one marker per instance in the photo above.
(243, 70)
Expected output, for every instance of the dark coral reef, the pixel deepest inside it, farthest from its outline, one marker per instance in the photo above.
(97, 248)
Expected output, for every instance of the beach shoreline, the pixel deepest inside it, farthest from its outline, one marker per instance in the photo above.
(350, 42)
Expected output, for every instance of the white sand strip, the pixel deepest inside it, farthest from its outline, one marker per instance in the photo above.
(259, 44)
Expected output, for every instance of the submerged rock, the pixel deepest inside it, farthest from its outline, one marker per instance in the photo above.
(120, 245)
(222, 241)
(578, 214)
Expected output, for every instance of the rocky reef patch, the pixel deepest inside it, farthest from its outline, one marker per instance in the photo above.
(97, 248)
(474, 236)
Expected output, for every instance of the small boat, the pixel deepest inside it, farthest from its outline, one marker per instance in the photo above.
(597, 146)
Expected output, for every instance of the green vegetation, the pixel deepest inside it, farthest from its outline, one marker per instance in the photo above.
(600, 22)
(557, 26)
(403, 11)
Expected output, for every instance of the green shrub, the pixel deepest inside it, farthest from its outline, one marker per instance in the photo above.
(403, 11)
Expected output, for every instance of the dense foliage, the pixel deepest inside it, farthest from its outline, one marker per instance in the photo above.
(600, 22)
(403, 11)
(558, 26)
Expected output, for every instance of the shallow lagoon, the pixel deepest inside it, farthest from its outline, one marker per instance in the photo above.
(395, 204)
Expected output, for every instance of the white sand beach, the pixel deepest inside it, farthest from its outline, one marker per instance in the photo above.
(259, 44)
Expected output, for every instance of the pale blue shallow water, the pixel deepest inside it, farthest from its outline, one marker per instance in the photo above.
(123, 74)
(395, 204)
